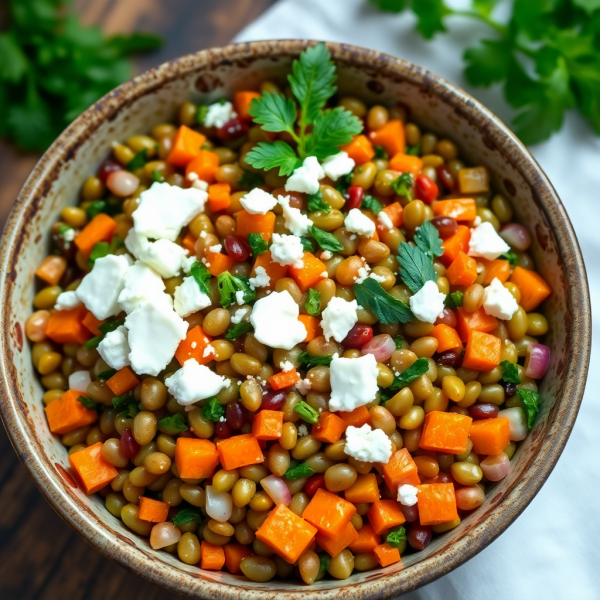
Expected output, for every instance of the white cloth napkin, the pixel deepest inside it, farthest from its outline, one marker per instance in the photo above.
(553, 550)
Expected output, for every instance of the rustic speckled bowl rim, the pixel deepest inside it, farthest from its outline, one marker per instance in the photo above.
(52, 486)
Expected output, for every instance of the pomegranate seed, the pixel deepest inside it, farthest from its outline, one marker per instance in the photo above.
(222, 430)
(448, 317)
(355, 197)
(313, 484)
(419, 536)
(235, 415)
(128, 444)
(450, 358)
(426, 189)
(446, 226)
(446, 177)
(411, 513)
(483, 411)
(273, 400)
(108, 167)
(232, 130)
(237, 247)
(358, 336)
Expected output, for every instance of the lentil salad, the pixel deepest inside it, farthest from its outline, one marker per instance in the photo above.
(403, 453)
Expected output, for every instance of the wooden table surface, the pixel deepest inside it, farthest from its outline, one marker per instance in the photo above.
(41, 558)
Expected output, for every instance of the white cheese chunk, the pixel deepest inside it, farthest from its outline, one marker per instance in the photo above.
(194, 382)
(407, 495)
(377, 278)
(67, 301)
(186, 264)
(286, 366)
(358, 222)
(302, 430)
(363, 273)
(258, 202)
(114, 348)
(385, 220)
(260, 279)
(287, 250)
(368, 445)
(218, 114)
(275, 321)
(303, 386)
(353, 382)
(155, 331)
(338, 165)
(99, 290)
(498, 301)
(428, 303)
(216, 248)
(189, 299)
(164, 209)
(305, 179)
(142, 284)
(238, 315)
(339, 318)
(295, 221)
(326, 254)
(79, 381)
(164, 256)
(485, 242)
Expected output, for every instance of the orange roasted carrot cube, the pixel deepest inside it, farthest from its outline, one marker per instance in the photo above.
(234, 554)
(312, 326)
(360, 149)
(241, 101)
(312, 271)
(187, 144)
(194, 346)
(286, 533)
(329, 513)
(189, 243)
(219, 196)
(66, 326)
(329, 428)
(386, 555)
(123, 381)
(154, 511)
(459, 242)
(400, 469)
(217, 263)
(462, 271)
(205, 165)
(445, 432)
(478, 321)
(333, 546)
(92, 323)
(406, 163)
(357, 417)
(437, 503)
(274, 270)
(239, 451)
(100, 229)
(495, 269)
(473, 180)
(447, 337)
(490, 436)
(263, 224)
(534, 290)
(195, 459)
(460, 209)
(483, 351)
(284, 379)
(212, 557)
(51, 269)
(366, 541)
(93, 471)
(66, 413)
(267, 425)
(364, 489)
(396, 214)
(385, 514)
(391, 137)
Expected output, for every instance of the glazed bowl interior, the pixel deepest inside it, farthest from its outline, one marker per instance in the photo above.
(206, 76)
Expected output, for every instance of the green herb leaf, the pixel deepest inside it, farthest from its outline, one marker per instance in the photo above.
(510, 373)
(157, 176)
(384, 306)
(89, 403)
(454, 300)
(403, 184)
(428, 239)
(487, 63)
(213, 410)
(173, 424)
(200, 273)
(418, 368)
(380, 152)
(343, 183)
(126, 405)
(308, 362)
(62, 229)
(395, 538)
(93, 342)
(430, 16)
(332, 129)
(257, 243)
(299, 471)
(324, 562)
(326, 240)
(100, 250)
(138, 161)
(228, 286)
(313, 302)
(511, 257)
(270, 155)
(306, 412)
(315, 202)
(107, 374)
(237, 330)
(109, 326)
(531, 402)
(250, 180)
(187, 515)
(372, 204)
(398, 340)
(274, 112)
(393, 6)
(307, 244)
(414, 150)
(95, 208)
(201, 113)
(416, 267)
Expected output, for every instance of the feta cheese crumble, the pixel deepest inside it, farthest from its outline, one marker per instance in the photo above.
(218, 114)
(194, 382)
(302, 430)
(216, 248)
(186, 264)
(295, 221)
(385, 220)
(164, 209)
(498, 301)
(286, 366)
(258, 202)
(358, 222)
(261, 278)
(303, 386)
(99, 290)
(339, 318)
(363, 273)
(338, 165)
(189, 299)
(114, 348)
(326, 254)
(305, 179)
(368, 445)
(407, 495)
(428, 303)
(164, 256)
(237, 317)
(142, 284)
(239, 297)
(485, 242)
(67, 301)
(79, 381)
(287, 250)
(353, 382)
(275, 321)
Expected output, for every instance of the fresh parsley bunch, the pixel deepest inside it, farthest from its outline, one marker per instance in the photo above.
(52, 68)
(547, 56)
(315, 130)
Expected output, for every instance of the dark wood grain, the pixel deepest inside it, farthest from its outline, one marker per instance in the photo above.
(41, 558)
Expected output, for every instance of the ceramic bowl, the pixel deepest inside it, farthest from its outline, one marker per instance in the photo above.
(153, 97)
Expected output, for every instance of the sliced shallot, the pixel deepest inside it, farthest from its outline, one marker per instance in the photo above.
(277, 489)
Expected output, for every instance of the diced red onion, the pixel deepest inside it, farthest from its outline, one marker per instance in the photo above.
(381, 347)
(495, 467)
(164, 534)
(79, 381)
(277, 490)
(516, 236)
(219, 505)
(517, 422)
(537, 360)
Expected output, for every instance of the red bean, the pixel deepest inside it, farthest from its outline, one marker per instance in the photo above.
(122, 183)
(445, 176)
(448, 317)
(450, 358)
(483, 411)
(222, 430)
(446, 226)
(232, 130)
(108, 167)
(238, 345)
(237, 248)
(411, 513)
(442, 477)
(419, 536)
(358, 336)
(272, 400)
(313, 484)
(510, 389)
(426, 189)
(354, 197)
(128, 444)
(235, 415)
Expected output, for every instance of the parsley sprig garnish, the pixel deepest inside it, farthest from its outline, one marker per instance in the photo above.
(416, 262)
(384, 306)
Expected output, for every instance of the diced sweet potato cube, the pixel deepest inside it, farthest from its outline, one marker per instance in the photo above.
(437, 503)
(445, 432)
(329, 513)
